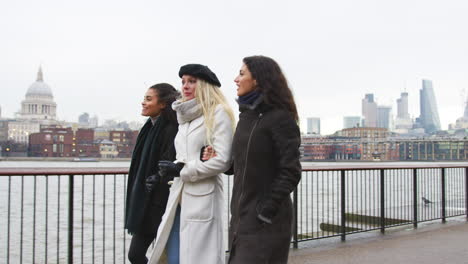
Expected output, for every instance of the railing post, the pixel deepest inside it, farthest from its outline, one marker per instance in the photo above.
(343, 206)
(295, 227)
(8, 224)
(466, 192)
(443, 195)
(382, 201)
(22, 219)
(70, 219)
(415, 198)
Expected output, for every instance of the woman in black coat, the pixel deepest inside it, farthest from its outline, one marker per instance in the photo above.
(266, 164)
(146, 194)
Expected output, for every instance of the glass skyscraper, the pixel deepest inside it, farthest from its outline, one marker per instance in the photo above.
(429, 118)
(313, 125)
(384, 117)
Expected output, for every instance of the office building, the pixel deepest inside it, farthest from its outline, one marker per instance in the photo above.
(384, 117)
(429, 116)
(351, 121)
(403, 121)
(369, 111)
(313, 125)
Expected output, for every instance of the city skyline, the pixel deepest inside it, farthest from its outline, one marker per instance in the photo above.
(100, 60)
(305, 129)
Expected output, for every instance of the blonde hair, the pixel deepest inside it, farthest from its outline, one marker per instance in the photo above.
(209, 97)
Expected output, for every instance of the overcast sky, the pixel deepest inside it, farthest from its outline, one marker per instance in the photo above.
(101, 56)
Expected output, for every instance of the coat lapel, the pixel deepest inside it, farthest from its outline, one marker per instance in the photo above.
(196, 123)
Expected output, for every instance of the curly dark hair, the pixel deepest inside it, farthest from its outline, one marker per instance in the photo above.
(167, 94)
(272, 83)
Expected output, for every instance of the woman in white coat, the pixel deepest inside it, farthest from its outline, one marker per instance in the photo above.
(192, 227)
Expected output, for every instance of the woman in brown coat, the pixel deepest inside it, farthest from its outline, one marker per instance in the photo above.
(266, 164)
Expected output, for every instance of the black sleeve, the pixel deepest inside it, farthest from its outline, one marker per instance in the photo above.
(286, 142)
(230, 171)
(168, 147)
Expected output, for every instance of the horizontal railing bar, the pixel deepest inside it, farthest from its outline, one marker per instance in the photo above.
(305, 167)
(61, 171)
(377, 166)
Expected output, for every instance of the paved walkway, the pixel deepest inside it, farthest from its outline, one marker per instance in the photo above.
(430, 243)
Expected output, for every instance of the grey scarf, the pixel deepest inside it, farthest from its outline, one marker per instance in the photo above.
(187, 110)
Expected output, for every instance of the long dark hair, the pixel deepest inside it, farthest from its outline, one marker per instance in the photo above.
(167, 94)
(272, 83)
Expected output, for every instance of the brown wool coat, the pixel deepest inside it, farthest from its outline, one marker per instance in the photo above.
(266, 170)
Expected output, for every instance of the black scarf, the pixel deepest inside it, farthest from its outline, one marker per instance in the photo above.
(143, 165)
(252, 101)
(250, 98)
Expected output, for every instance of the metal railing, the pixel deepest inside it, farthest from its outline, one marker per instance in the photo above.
(341, 200)
(46, 219)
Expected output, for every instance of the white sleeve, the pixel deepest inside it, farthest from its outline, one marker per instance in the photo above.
(196, 170)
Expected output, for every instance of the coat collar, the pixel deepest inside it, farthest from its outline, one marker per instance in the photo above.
(259, 105)
(256, 103)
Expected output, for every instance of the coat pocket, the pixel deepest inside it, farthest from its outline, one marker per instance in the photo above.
(198, 202)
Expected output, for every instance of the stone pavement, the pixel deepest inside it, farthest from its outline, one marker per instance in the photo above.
(430, 243)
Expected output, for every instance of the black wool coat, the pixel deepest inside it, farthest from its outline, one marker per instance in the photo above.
(144, 211)
(266, 170)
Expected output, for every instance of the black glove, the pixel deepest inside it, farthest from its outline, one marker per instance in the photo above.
(151, 181)
(201, 152)
(168, 170)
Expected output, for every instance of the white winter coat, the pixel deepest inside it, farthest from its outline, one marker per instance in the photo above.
(199, 191)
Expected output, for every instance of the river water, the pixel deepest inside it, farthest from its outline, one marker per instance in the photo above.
(99, 207)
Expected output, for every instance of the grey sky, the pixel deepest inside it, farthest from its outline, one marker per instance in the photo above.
(100, 56)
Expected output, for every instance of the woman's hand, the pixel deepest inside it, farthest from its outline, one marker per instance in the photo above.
(168, 170)
(207, 152)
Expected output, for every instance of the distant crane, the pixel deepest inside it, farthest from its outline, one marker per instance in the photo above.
(465, 104)
(464, 100)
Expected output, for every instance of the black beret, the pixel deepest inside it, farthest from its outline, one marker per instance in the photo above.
(200, 71)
